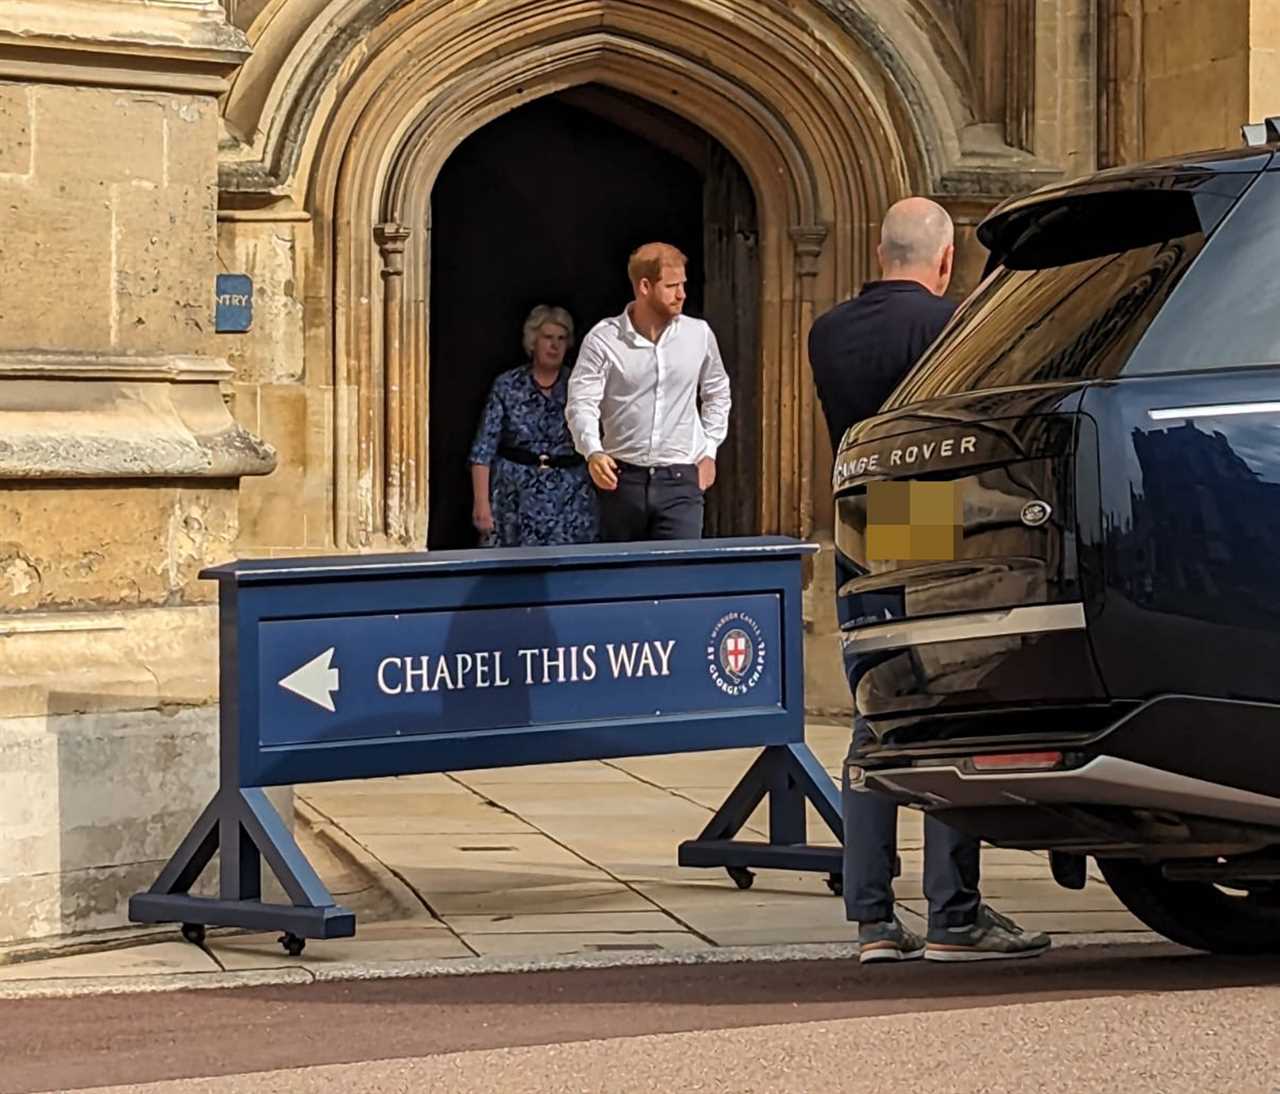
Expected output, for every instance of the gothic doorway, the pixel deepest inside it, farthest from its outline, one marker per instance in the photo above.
(543, 205)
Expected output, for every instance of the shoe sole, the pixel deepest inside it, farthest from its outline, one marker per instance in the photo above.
(889, 953)
(982, 955)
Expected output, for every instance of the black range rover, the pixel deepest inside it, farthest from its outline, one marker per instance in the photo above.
(1058, 547)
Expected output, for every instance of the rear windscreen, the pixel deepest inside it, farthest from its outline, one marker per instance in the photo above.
(1080, 280)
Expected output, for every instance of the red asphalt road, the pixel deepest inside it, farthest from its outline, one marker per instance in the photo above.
(70, 1044)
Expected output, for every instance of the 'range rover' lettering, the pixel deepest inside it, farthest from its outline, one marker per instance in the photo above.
(916, 456)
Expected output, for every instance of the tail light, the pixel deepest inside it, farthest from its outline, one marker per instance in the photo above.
(1017, 761)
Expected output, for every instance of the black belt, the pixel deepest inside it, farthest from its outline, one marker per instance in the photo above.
(538, 459)
(637, 469)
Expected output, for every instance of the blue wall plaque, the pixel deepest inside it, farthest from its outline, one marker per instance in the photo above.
(234, 314)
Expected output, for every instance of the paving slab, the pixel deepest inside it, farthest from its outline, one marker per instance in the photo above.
(376, 942)
(376, 801)
(596, 804)
(781, 934)
(410, 785)
(698, 888)
(722, 769)
(495, 857)
(541, 900)
(485, 821)
(587, 771)
(153, 959)
(543, 944)
(606, 921)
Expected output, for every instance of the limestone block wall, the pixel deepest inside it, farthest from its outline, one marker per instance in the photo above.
(105, 193)
(1195, 56)
(282, 394)
(119, 456)
(1179, 75)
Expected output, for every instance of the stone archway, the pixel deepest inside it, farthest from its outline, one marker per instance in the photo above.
(807, 109)
(544, 204)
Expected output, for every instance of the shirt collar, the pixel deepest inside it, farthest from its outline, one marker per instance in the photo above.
(532, 384)
(895, 285)
(630, 333)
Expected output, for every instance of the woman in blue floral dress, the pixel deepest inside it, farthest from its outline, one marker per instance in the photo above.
(530, 487)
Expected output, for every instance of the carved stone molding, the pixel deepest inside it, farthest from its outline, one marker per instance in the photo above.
(391, 240)
(809, 240)
(171, 368)
(181, 46)
(90, 417)
(400, 414)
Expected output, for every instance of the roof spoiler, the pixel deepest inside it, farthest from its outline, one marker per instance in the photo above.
(1257, 134)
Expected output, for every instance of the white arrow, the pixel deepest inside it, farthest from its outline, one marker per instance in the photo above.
(315, 681)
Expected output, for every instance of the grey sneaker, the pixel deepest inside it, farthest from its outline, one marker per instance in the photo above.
(889, 941)
(992, 937)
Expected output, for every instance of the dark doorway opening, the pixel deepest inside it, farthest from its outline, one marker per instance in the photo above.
(543, 206)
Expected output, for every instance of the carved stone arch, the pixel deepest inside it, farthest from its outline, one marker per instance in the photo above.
(800, 105)
(302, 49)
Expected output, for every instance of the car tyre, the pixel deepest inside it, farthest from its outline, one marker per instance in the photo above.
(1193, 913)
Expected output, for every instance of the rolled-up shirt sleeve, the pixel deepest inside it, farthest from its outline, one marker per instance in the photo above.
(485, 446)
(586, 393)
(713, 392)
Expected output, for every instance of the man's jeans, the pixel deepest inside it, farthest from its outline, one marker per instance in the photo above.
(870, 852)
(652, 503)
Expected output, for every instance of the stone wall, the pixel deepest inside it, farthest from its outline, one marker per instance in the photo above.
(1195, 59)
(1181, 75)
(119, 456)
(290, 511)
(107, 252)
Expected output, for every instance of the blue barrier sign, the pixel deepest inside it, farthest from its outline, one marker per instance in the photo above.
(358, 667)
(233, 313)
(422, 673)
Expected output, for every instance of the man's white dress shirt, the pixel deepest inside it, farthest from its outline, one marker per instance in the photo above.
(637, 400)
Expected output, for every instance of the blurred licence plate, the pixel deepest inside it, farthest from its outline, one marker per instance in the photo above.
(913, 521)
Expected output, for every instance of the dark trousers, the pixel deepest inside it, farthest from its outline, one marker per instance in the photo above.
(652, 503)
(871, 849)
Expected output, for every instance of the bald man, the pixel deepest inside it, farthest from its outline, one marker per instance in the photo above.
(860, 351)
(648, 406)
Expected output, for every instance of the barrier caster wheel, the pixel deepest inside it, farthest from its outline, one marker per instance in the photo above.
(193, 933)
(742, 877)
(835, 882)
(293, 945)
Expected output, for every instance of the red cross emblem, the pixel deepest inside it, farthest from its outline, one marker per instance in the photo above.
(735, 654)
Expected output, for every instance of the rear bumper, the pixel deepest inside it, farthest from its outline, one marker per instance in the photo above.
(933, 679)
(1006, 623)
(1100, 781)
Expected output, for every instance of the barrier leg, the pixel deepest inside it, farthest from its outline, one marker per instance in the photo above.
(789, 776)
(244, 826)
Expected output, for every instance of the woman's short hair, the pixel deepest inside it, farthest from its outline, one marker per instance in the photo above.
(541, 315)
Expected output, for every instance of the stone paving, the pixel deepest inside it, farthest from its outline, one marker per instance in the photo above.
(570, 860)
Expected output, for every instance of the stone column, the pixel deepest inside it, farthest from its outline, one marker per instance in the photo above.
(391, 240)
(1019, 74)
(1119, 82)
(808, 241)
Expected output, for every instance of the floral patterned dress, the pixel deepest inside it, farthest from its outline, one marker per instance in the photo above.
(533, 506)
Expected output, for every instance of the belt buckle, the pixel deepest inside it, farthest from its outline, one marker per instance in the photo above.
(544, 462)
